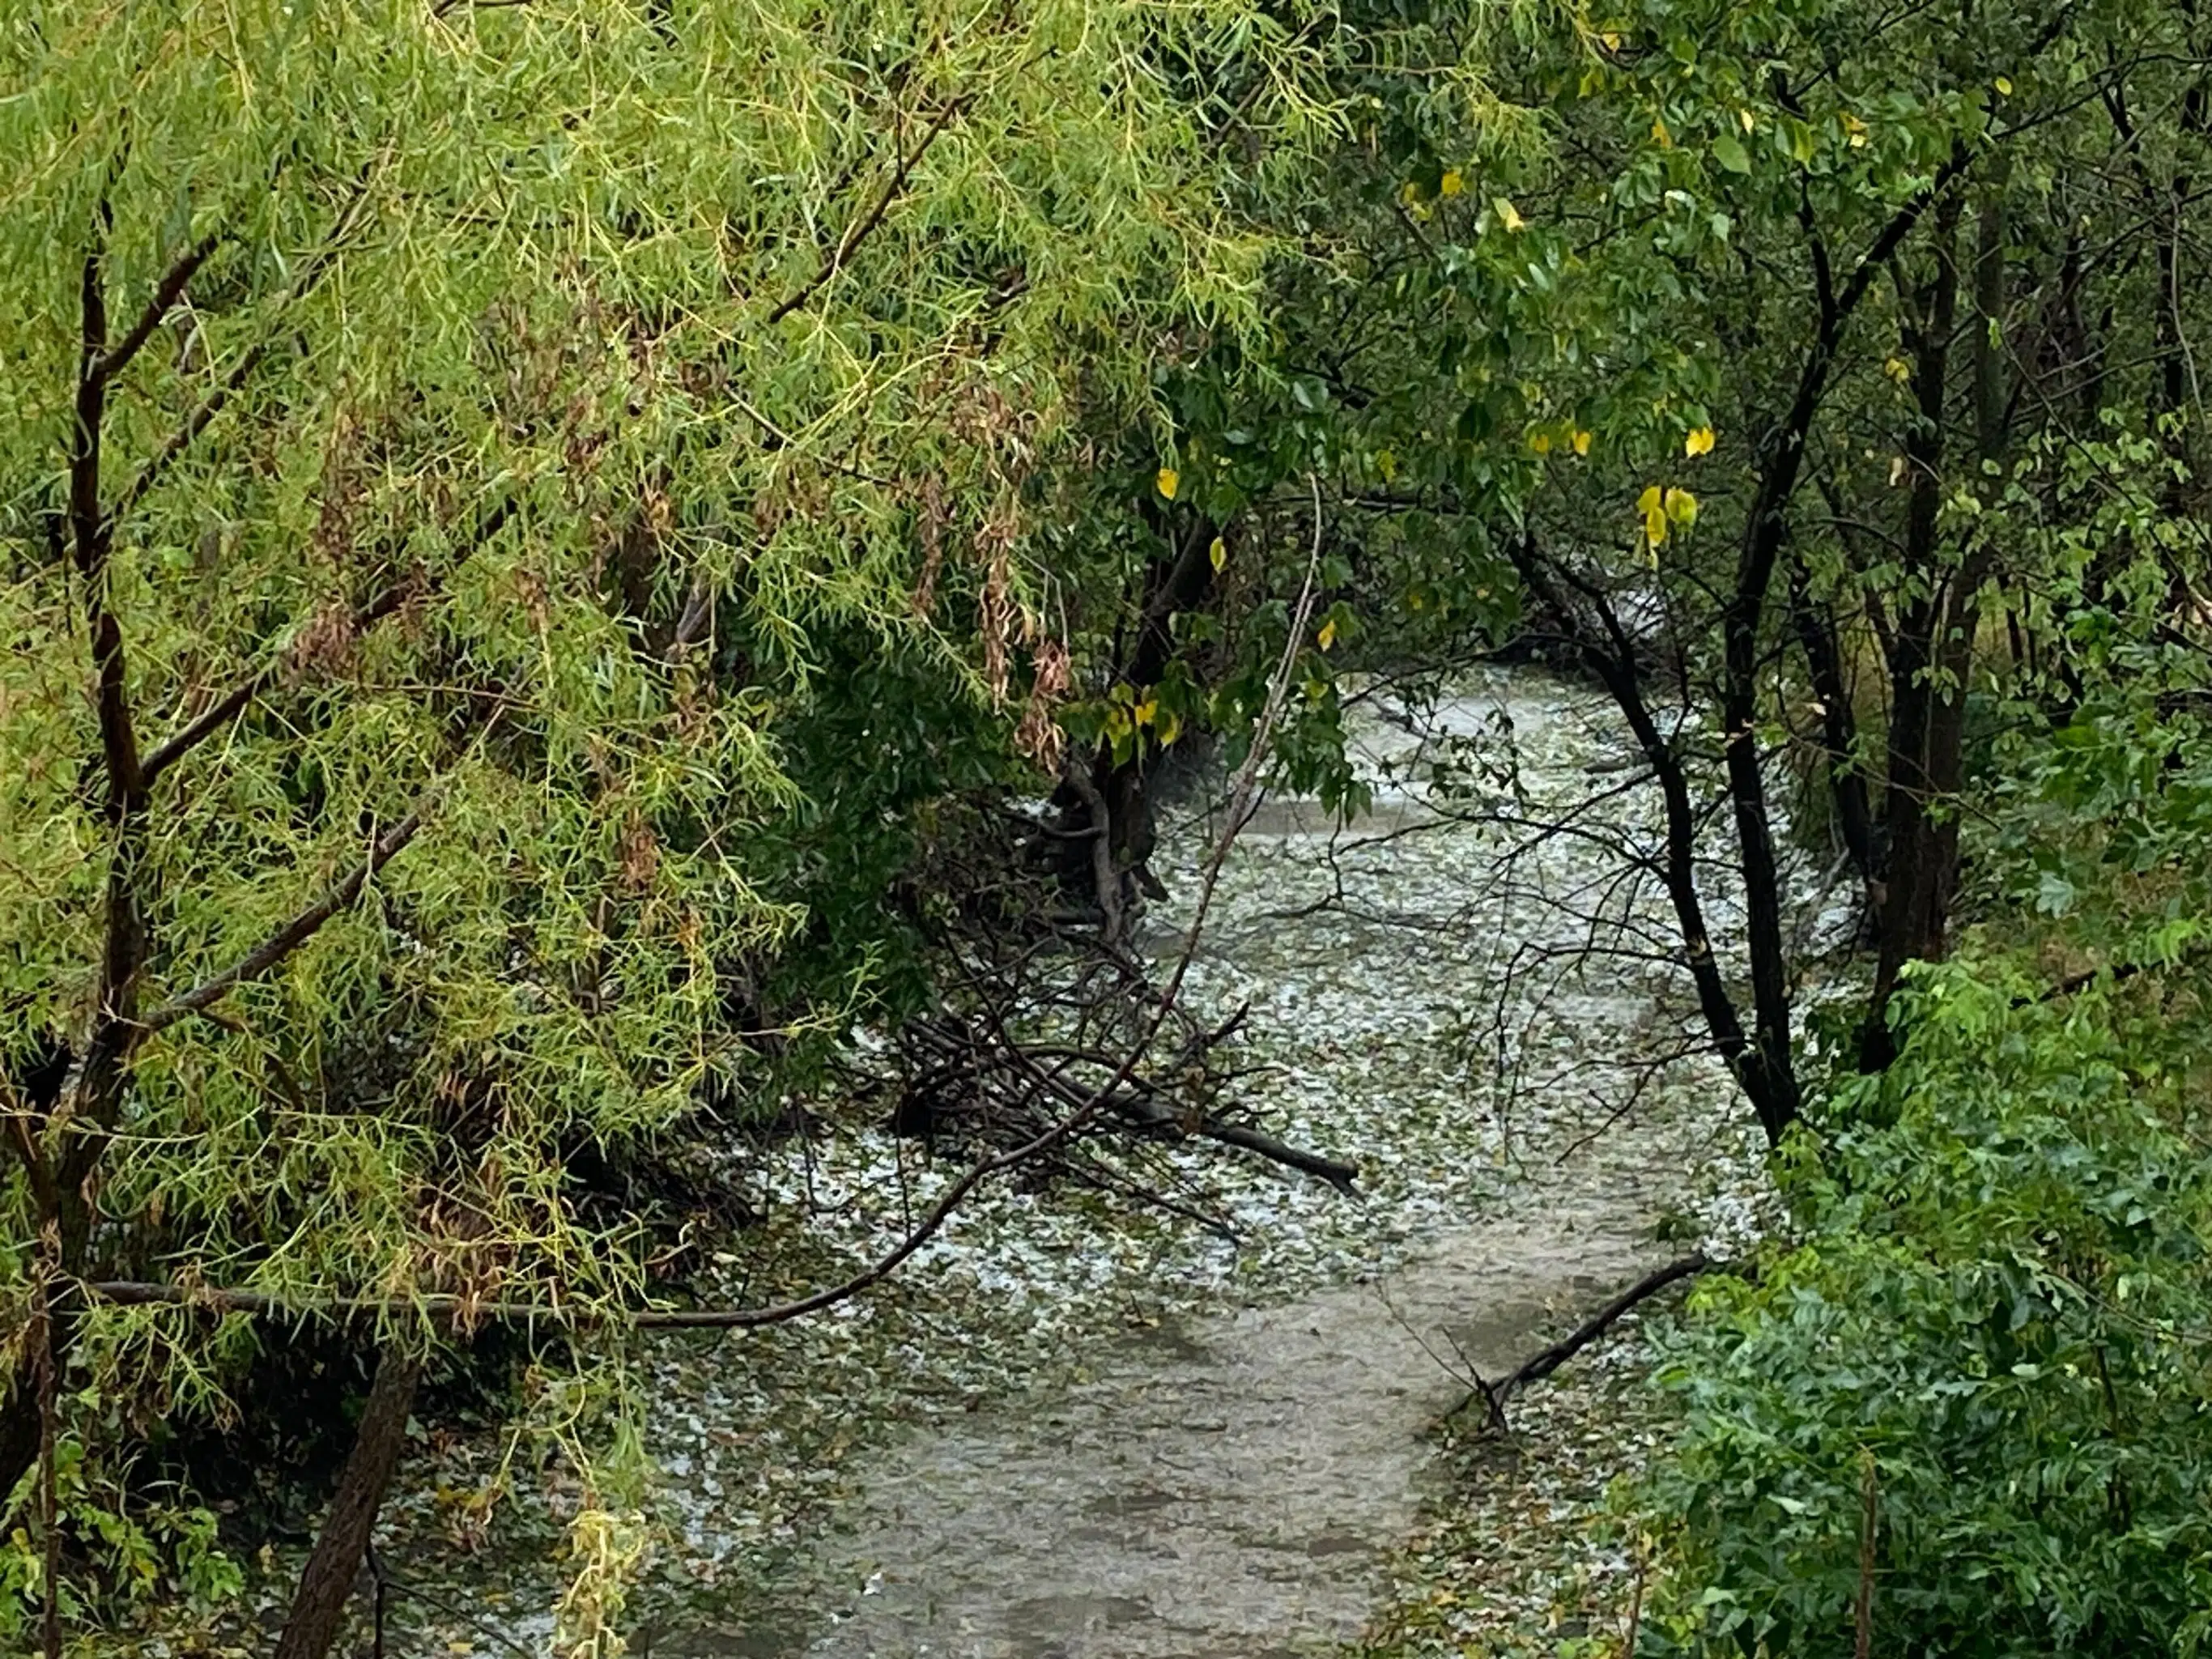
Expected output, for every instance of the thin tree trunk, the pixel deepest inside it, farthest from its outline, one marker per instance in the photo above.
(49, 1433)
(1105, 871)
(1910, 875)
(1763, 1060)
(327, 1585)
(1816, 634)
(1614, 661)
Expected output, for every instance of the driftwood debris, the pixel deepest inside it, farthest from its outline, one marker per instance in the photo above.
(1494, 1394)
(969, 1079)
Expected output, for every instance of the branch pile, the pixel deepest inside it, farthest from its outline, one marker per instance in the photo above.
(967, 1078)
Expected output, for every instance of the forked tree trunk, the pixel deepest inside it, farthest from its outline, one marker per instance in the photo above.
(1176, 585)
(318, 1605)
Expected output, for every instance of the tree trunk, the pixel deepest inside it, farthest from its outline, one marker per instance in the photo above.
(1910, 876)
(1613, 658)
(1936, 656)
(1181, 583)
(327, 1585)
(1816, 633)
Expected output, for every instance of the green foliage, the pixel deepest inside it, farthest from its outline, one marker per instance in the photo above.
(141, 1546)
(2000, 1296)
(570, 503)
(575, 501)
(882, 751)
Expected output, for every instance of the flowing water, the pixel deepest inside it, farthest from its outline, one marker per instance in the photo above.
(1133, 1437)
(1225, 1488)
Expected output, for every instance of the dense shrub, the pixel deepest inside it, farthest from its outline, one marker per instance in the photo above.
(1999, 1296)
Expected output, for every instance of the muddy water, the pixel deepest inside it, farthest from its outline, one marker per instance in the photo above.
(1223, 1486)
(1224, 1491)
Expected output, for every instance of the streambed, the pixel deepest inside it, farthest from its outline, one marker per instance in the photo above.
(1065, 1431)
(1225, 1487)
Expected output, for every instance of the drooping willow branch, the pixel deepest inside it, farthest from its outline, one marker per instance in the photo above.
(861, 228)
(291, 936)
(234, 702)
(1244, 799)
(318, 265)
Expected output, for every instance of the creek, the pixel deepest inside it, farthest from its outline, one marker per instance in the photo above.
(1119, 1436)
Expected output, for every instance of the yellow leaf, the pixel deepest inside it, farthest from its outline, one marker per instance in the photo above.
(1168, 479)
(1581, 442)
(1143, 711)
(1506, 215)
(1219, 552)
(1655, 527)
(1451, 184)
(1611, 39)
(1857, 130)
(1648, 502)
(1327, 634)
(1744, 116)
(1660, 137)
(1167, 728)
(1699, 443)
(1898, 370)
(2004, 86)
(1409, 192)
(1540, 442)
(1682, 507)
(1897, 470)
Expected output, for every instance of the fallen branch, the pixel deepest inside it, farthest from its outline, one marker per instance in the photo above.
(1153, 1118)
(1542, 1365)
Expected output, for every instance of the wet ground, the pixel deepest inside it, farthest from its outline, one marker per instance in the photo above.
(1126, 1437)
(1226, 1487)
(1223, 1489)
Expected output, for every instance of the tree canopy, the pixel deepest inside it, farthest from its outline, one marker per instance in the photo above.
(542, 537)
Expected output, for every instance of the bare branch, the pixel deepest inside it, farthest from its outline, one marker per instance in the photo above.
(195, 423)
(1542, 1365)
(288, 938)
(166, 294)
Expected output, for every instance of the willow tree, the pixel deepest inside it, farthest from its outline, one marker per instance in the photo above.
(433, 434)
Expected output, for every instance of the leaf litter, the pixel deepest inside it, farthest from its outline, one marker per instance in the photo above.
(1417, 1008)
